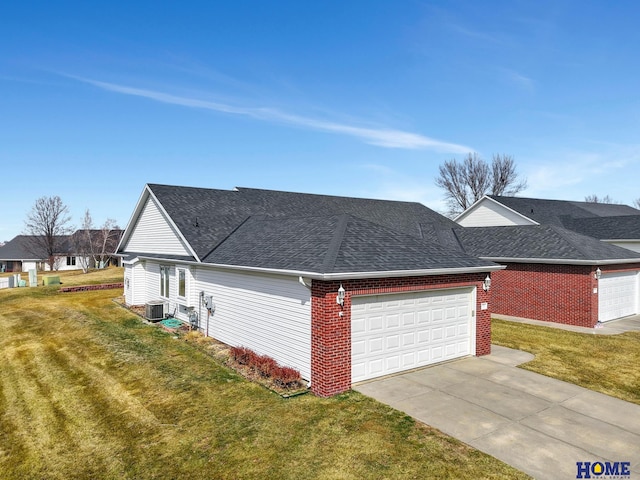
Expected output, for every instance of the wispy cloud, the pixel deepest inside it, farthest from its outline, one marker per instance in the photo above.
(383, 137)
(474, 34)
(522, 81)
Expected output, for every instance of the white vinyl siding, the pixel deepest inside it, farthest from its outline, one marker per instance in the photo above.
(270, 314)
(152, 281)
(396, 332)
(135, 291)
(488, 213)
(26, 266)
(153, 234)
(617, 295)
(629, 245)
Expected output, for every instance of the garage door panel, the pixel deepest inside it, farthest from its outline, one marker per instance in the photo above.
(408, 319)
(375, 345)
(408, 340)
(393, 321)
(617, 295)
(393, 341)
(376, 323)
(358, 326)
(420, 328)
(358, 348)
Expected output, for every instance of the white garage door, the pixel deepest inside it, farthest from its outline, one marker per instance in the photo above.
(617, 295)
(396, 332)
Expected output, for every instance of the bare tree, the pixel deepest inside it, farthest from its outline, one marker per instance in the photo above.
(595, 199)
(106, 240)
(466, 182)
(82, 242)
(47, 226)
(636, 203)
(96, 245)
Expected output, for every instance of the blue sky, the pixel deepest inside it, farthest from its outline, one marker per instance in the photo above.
(360, 98)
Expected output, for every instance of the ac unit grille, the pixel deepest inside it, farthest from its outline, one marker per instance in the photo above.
(154, 311)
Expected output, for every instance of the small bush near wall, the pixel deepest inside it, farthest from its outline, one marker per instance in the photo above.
(266, 367)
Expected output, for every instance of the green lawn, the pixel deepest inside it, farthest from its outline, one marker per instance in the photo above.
(605, 363)
(90, 391)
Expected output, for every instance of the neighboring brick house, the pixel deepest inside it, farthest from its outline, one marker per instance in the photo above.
(611, 223)
(266, 270)
(556, 275)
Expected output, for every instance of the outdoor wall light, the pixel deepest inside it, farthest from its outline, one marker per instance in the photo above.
(598, 274)
(341, 294)
(486, 285)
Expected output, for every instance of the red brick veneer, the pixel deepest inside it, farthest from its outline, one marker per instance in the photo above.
(85, 288)
(331, 333)
(552, 293)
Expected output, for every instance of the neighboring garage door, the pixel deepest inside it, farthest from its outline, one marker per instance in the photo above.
(617, 295)
(396, 332)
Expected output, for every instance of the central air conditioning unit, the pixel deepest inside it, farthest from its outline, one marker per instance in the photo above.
(154, 311)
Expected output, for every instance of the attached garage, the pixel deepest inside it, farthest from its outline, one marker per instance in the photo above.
(395, 332)
(617, 295)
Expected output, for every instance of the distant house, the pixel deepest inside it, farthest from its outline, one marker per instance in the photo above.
(17, 256)
(556, 275)
(343, 289)
(564, 261)
(22, 253)
(612, 223)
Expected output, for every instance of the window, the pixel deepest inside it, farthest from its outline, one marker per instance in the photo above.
(182, 282)
(71, 261)
(164, 280)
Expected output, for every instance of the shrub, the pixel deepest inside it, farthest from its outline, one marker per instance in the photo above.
(287, 377)
(242, 355)
(266, 367)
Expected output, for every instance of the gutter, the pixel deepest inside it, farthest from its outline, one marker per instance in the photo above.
(339, 276)
(561, 261)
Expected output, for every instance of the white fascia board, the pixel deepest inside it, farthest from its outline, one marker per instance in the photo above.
(360, 275)
(621, 240)
(333, 276)
(561, 261)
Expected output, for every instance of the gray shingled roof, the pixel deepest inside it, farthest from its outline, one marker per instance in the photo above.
(556, 212)
(539, 242)
(306, 232)
(20, 248)
(332, 244)
(607, 228)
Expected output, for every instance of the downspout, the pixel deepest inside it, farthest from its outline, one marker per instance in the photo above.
(308, 286)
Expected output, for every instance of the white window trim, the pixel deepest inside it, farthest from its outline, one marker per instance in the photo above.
(165, 281)
(183, 271)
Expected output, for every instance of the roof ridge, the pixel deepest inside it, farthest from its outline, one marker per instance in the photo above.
(334, 246)
(228, 235)
(569, 238)
(249, 189)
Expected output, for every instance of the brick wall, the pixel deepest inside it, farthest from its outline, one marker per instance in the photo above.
(331, 333)
(85, 288)
(552, 293)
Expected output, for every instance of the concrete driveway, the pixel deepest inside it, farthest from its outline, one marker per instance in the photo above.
(537, 424)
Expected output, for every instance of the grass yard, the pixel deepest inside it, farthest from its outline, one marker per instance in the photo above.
(605, 363)
(87, 390)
